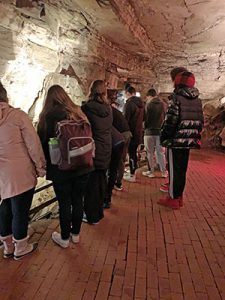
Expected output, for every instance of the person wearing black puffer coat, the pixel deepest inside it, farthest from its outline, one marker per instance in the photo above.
(99, 114)
(180, 132)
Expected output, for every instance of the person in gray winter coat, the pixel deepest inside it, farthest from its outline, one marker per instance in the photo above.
(154, 116)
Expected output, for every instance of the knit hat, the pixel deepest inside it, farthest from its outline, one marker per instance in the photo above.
(184, 79)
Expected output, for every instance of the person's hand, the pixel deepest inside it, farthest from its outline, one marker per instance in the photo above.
(41, 173)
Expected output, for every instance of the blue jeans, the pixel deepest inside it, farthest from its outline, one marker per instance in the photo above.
(14, 215)
(152, 145)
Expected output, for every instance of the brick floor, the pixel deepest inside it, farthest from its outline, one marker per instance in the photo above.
(140, 250)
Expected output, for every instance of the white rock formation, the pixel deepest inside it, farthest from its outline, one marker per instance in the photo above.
(72, 42)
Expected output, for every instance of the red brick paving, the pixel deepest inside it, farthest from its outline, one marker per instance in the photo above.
(140, 250)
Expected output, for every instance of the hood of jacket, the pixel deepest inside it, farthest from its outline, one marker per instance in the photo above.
(99, 109)
(5, 110)
(189, 93)
(137, 101)
(155, 101)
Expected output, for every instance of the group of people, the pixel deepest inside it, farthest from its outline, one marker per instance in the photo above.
(84, 193)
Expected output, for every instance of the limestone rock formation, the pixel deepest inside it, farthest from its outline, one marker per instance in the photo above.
(213, 134)
(62, 47)
(72, 42)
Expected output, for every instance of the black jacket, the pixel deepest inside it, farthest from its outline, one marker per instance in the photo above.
(154, 116)
(100, 117)
(119, 121)
(53, 172)
(117, 138)
(184, 120)
(134, 113)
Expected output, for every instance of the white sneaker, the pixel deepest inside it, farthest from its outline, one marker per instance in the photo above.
(151, 175)
(125, 175)
(56, 237)
(95, 223)
(75, 238)
(22, 248)
(118, 187)
(130, 178)
(127, 170)
(146, 173)
(85, 220)
(164, 174)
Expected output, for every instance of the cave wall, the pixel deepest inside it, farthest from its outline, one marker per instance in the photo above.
(57, 48)
(72, 42)
(179, 33)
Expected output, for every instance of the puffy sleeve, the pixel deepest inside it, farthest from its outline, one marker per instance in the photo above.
(170, 123)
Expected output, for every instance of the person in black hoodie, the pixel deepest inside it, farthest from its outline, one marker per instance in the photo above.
(117, 151)
(99, 114)
(181, 131)
(134, 113)
(121, 124)
(69, 186)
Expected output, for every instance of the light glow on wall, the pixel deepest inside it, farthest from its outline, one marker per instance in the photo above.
(222, 101)
(22, 80)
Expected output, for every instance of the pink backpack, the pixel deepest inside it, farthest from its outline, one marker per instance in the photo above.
(76, 144)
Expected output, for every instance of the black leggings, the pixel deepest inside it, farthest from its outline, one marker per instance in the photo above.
(116, 157)
(70, 194)
(178, 164)
(95, 195)
(132, 151)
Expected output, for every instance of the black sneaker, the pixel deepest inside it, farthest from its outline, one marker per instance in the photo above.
(118, 186)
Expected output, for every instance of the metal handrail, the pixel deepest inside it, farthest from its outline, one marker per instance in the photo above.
(43, 188)
(36, 209)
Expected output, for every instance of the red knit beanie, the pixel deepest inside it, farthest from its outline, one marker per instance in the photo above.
(184, 79)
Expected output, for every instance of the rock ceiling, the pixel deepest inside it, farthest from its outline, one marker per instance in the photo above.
(168, 33)
(72, 42)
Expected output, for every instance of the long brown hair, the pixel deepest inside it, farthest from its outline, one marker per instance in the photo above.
(98, 92)
(112, 95)
(3, 94)
(57, 97)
